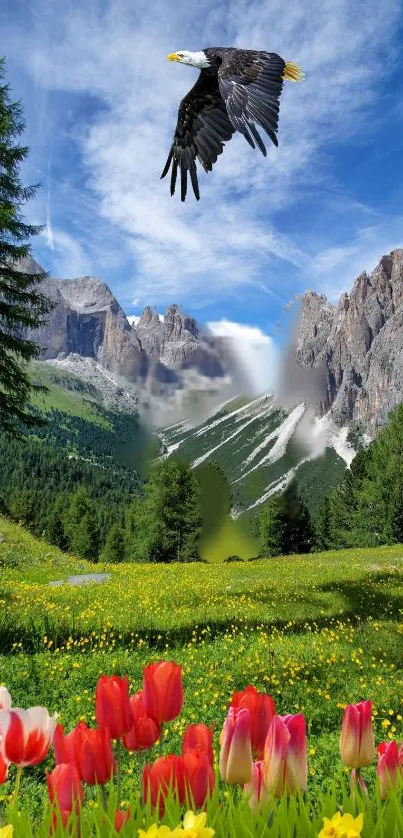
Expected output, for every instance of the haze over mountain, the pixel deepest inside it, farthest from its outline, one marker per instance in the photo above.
(161, 361)
(345, 359)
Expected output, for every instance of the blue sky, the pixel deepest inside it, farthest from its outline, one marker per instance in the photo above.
(100, 103)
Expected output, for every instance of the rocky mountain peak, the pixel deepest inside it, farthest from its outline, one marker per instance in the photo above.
(178, 326)
(359, 342)
(87, 322)
(87, 294)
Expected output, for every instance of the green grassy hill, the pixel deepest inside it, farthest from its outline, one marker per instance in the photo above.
(315, 631)
(67, 393)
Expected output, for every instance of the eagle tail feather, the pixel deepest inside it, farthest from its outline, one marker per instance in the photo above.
(167, 164)
(292, 72)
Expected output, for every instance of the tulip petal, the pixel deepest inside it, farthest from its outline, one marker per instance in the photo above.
(275, 754)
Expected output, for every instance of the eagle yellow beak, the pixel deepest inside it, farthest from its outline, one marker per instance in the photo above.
(173, 56)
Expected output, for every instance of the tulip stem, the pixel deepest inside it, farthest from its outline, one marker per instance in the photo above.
(104, 798)
(161, 744)
(17, 786)
(118, 770)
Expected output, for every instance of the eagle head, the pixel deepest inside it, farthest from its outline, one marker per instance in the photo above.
(195, 59)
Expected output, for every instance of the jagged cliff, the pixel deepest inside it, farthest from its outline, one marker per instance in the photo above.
(88, 322)
(358, 344)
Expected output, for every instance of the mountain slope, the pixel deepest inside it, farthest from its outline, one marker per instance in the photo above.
(260, 448)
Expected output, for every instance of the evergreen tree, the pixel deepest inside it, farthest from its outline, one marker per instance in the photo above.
(55, 530)
(80, 525)
(23, 507)
(134, 546)
(85, 540)
(114, 549)
(285, 525)
(21, 305)
(167, 524)
(298, 531)
(322, 526)
(271, 526)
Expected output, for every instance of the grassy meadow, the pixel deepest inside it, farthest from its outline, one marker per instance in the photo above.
(315, 631)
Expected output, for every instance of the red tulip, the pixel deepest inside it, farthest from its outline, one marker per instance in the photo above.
(66, 747)
(390, 767)
(145, 730)
(236, 764)
(112, 705)
(262, 709)
(26, 735)
(163, 690)
(95, 761)
(200, 776)
(285, 755)
(65, 787)
(256, 791)
(4, 764)
(62, 816)
(199, 736)
(165, 775)
(357, 745)
(121, 819)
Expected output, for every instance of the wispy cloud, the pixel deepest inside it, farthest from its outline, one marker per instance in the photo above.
(70, 257)
(49, 231)
(249, 226)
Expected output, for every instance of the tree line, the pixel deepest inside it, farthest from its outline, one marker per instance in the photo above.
(109, 514)
(366, 509)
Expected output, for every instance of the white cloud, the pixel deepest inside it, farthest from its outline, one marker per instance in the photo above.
(256, 353)
(336, 268)
(116, 52)
(69, 256)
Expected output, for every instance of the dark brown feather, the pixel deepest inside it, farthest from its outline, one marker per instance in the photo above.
(202, 129)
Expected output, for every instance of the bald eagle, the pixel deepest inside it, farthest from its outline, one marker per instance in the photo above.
(235, 90)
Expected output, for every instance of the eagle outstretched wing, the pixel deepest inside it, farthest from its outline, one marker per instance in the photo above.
(251, 83)
(202, 129)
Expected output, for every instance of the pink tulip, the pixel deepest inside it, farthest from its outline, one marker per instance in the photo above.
(5, 699)
(390, 767)
(26, 735)
(236, 763)
(285, 755)
(256, 792)
(357, 745)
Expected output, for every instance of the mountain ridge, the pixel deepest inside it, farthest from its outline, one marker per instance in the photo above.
(358, 345)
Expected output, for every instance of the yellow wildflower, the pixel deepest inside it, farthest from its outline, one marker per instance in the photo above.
(7, 831)
(154, 831)
(194, 826)
(342, 826)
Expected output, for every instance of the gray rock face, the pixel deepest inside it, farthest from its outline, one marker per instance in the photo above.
(359, 344)
(87, 321)
(184, 346)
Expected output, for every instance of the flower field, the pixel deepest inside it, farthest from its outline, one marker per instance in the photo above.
(316, 633)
